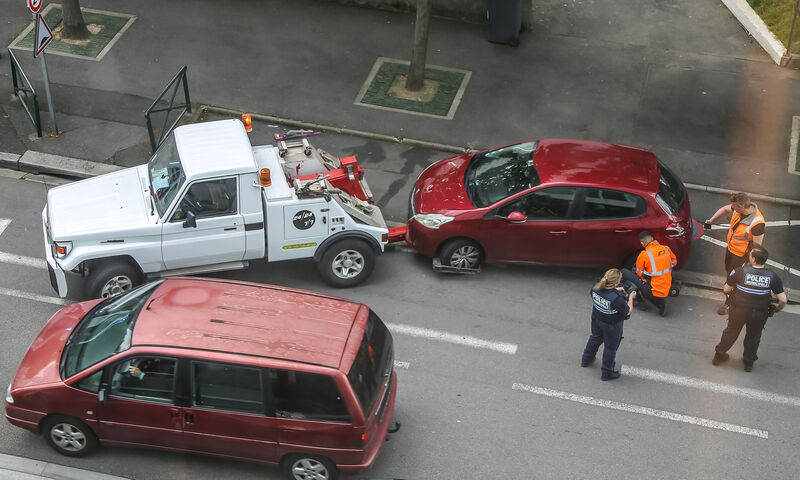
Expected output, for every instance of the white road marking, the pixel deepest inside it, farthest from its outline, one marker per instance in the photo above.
(32, 296)
(715, 295)
(771, 223)
(682, 381)
(401, 364)
(771, 263)
(22, 260)
(4, 222)
(652, 412)
(502, 347)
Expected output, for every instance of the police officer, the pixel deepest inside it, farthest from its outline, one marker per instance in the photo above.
(746, 230)
(609, 309)
(653, 276)
(750, 287)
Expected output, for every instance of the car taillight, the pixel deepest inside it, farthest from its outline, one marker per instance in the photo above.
(675, 230)
(364, 438)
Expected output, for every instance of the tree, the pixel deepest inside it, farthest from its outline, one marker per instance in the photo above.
(74, 25)
(416, 71)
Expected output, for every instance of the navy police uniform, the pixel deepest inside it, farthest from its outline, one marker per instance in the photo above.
(609, 309)
(749, 308)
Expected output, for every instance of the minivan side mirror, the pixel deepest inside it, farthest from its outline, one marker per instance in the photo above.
(516, 217)
(191, 220)
(101, 396)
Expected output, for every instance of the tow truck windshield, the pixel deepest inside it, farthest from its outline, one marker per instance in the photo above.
(498, 174)
(166, 174)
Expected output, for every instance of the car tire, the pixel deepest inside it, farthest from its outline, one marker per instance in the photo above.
(461, 253)
(630, 260)
(309, 467)
(69, 436)
(110, 279)
(347, 263)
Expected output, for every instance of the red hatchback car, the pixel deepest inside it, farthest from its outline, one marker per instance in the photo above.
(553, 202)
(253, 372)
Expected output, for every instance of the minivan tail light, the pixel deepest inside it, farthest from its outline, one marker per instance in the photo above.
(675, 230)
(364, 438)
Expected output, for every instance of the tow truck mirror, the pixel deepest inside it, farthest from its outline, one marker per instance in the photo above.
(191, 220)
(327, 196)
(516, 217)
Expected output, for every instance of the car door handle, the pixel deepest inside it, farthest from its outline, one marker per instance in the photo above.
(229, 229)
(622, 230)
(558, 232)
(188, 418)
(174, 412)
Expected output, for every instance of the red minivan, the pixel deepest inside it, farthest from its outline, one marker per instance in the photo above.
(239, 370)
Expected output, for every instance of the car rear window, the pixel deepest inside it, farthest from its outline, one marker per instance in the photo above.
(671, 192)
(373, 363)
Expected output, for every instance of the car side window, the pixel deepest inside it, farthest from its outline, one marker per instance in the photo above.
(144, 378)
(307, 396)
(608, 204)
(90, 383)
(219, 386)
(213, 198)
(547, 204)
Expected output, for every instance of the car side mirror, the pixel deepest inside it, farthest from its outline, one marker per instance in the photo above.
(327, 196)
(191, 220)
(516, 217)
(101, 396)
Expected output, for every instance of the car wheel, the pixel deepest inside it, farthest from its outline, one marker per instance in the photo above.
(347, 263)
(69, 436)
(111, 279)
(309, 467)
(462, 253)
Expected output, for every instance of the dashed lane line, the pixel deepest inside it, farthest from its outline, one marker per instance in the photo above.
(651, 412)
(32, 296)
(502, 347)
(4, 223)
(715, 295)
(401, 364)
(12, 258)
(771, 263)
(751, 393)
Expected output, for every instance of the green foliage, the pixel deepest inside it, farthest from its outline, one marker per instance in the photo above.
(778, 14)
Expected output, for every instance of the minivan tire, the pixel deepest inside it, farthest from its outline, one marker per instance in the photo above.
(309, 467)
(347, 263)
(69, 436)
(109, 279)
(462, 253)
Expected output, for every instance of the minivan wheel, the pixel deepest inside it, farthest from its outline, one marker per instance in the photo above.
(462, 253)
(69, 436)
(309, 467)
(347, 263)
(111, 279)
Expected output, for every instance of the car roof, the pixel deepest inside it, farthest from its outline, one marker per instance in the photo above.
(215, 148)
(244, 318)
(609, 165)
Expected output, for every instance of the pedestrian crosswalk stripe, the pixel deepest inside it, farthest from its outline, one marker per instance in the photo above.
(6, 257)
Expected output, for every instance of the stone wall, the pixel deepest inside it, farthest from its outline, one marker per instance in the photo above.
(472, 11)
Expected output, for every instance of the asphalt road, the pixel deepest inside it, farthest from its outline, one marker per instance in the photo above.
(517, 407)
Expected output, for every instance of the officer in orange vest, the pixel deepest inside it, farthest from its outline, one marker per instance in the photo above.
(653, 273)
(746, 230)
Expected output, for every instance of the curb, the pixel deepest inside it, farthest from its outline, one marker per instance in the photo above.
(757, 29)
(22, 468)
(37, 162)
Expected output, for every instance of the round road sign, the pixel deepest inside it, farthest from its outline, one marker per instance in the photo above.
(35, 5)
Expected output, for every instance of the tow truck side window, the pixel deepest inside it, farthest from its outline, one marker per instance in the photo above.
(166, 174)
(213, 198)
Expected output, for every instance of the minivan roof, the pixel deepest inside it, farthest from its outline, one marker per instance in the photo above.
(245, 318)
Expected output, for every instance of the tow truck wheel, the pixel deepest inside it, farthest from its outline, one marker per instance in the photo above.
(347, 263)
(111, 279)
(462, 253)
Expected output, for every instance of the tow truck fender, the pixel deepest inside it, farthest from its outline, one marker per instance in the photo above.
(346, 234)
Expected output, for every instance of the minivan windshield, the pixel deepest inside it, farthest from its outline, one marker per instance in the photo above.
(373, 363)
(671, 191)
(166, 174)
(498, 174)
(104, 331)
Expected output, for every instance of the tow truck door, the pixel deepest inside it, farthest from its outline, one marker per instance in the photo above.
(306, 224)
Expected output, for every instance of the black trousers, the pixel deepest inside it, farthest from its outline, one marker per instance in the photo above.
(753, 319)
(733, 261)
(645, 292)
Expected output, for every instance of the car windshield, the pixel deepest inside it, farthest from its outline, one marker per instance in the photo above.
(104, 331)
(671, 191)
(166, 174)
(493, 176)
(373, 363)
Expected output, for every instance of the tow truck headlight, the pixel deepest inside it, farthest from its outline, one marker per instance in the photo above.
(432, 220)
(9, 398)
(61, 249)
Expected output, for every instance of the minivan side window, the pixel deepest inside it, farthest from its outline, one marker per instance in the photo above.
(220, 386)
(90, 383)
(307, 396)
(144, 378)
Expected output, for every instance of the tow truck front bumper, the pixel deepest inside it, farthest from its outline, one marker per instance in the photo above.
(58, 279)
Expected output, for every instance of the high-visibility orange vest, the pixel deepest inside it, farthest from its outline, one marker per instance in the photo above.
(656, 262)
(739, 234)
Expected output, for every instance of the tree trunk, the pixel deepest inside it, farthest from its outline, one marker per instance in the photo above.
(74, 25)
(416, 72)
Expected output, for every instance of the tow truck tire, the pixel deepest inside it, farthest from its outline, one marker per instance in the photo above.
(347, 263)
(110, 279)
(462, 253)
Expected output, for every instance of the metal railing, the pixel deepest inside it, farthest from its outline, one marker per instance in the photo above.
(180, 79)
(25, 92)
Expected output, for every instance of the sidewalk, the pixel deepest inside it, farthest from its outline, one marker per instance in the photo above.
(21, 468)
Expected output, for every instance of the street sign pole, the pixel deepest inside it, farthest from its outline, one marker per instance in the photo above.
(55, 132)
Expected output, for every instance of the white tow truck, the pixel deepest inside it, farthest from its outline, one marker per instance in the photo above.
(209, 201)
